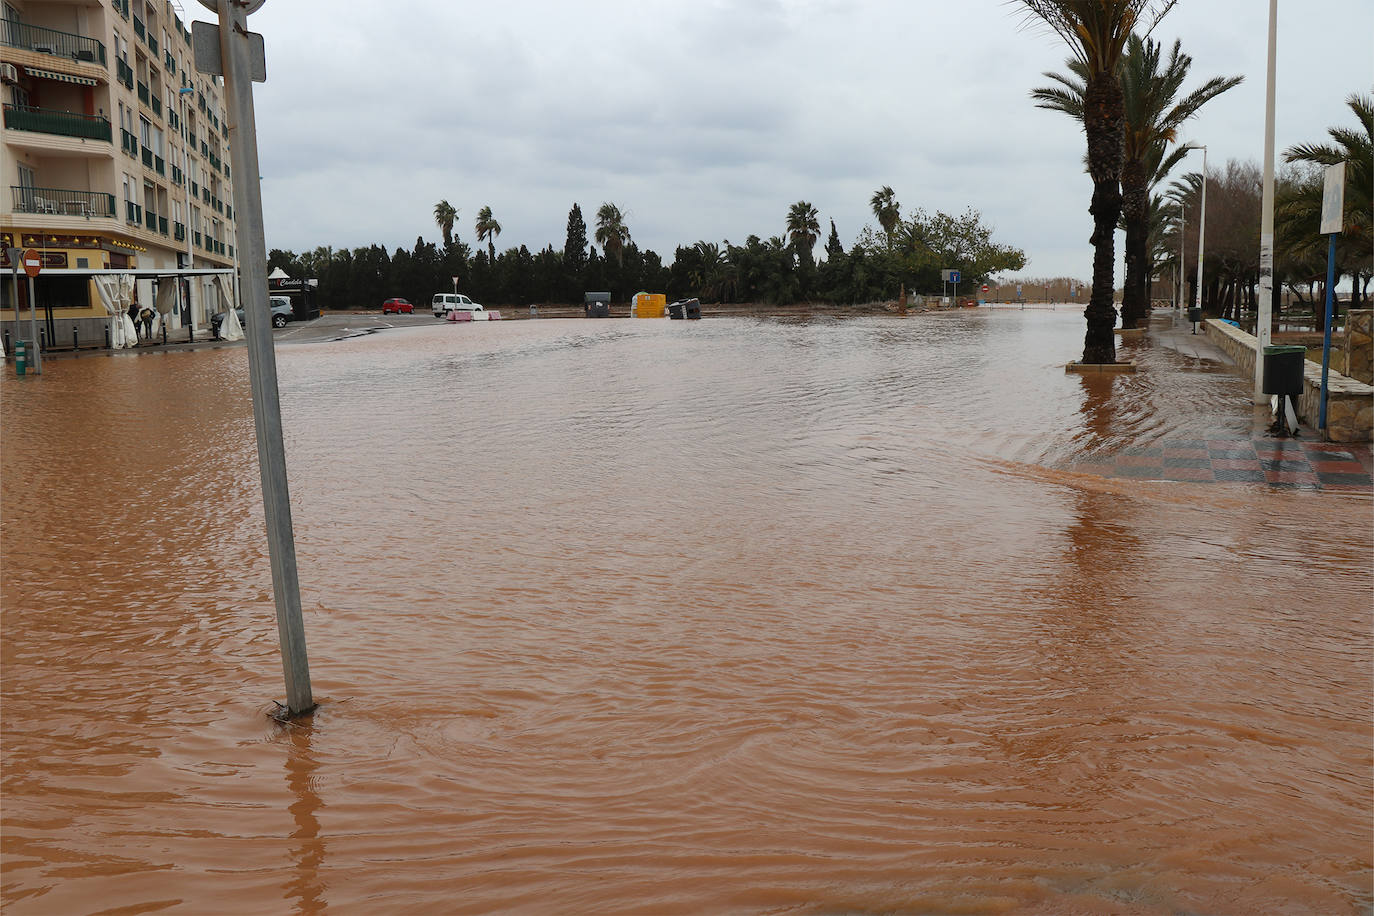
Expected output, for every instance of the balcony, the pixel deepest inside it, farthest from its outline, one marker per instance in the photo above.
(62, 123)
(50, 41)
(159, 165)
(128, 142)
(156, 104)
(124, 73)
(143, 94)
(63, 201)
(162, 225)
(179, 231)
(197, 238)
(169, 61)
(147, 157)
(205, 194)
(150, 220)
(228, 212)
(122, 6)
(195, 189)
(152, 44)
(133, 213)
(231, 251)
(139, 30)
(178, 176)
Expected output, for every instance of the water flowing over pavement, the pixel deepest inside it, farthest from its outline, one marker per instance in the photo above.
(733, 616)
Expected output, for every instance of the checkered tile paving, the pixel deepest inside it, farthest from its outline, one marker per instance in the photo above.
(1278, 463)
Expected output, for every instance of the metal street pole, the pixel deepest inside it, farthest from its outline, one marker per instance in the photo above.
(182, 93)
(237, 63)
(1264, 320)
(1201, 229)
(1178, 273)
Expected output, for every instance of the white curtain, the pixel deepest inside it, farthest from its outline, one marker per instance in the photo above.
(116, 292)
(165, 304)
(222, 287)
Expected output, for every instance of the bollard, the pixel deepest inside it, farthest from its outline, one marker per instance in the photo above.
(9, 348)
(21, 358)
(107, 335)
(43, 340)
(76, 341)
(164, 333)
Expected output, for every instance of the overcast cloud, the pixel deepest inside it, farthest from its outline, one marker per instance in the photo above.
(707, 119)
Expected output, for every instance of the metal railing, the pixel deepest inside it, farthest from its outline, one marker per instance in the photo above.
(179, 231)
(122, 6)
(133, 213)
(143, 95)
(156, 104)
(162, 225)
(147, 157)
(139, 30)
(51, 41)
(159, 165)
(123, 72)
(63, 201)
(128, 142)
(62, 123)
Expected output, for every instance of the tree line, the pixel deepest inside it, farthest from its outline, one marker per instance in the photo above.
(901, 255)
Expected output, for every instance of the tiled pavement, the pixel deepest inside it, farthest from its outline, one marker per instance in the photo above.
(1278, 463)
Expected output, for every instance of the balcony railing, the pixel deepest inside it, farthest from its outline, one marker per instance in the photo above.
(156, 104)
(159, 165)
(152, 44)
(133, 213)
(124, 73)
(150, 220)
(195, 189)
(226, 170)
(197, 238)
(62, 123)
(122, 6)
(147, 157)
(177, 176)
(170, 61)
(231, 251)
(143, 95)
(50, 41)
(179, 231)
(205, 194)
(228, 212)
(63, 201)
(162, 225)
(128, 142)
(138, 27)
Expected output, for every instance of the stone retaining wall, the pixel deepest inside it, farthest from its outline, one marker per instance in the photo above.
(1359, 345)
(1349, 402)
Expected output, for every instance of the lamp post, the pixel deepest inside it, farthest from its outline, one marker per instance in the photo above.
(1178, 272)
(182, 93)
(1201, 229)
(1264, 318)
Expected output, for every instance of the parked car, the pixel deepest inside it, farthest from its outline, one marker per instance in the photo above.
(443, 303)
(399, 306)
(281, 314)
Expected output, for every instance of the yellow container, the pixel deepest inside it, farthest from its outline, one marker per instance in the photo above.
(650, 305)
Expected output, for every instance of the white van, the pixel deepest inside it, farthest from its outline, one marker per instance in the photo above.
(443, 303)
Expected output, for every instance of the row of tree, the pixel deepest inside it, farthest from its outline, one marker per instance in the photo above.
(1127, 95)
(901, 255)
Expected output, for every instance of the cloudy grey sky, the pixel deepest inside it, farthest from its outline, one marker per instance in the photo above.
(706, 119)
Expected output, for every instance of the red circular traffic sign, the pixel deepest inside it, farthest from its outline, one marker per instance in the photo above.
(33, 263)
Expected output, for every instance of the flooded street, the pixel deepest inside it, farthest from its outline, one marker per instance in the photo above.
(806, 616)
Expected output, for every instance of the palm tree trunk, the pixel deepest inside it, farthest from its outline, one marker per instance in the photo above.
(1135, 212)
(1103, 117)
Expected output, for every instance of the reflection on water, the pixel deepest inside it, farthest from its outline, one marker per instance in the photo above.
(635, 616)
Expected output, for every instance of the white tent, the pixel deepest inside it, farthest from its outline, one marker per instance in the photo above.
(116, 292)
(220, 291)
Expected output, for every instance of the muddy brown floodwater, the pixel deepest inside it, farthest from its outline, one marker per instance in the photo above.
(730, 616)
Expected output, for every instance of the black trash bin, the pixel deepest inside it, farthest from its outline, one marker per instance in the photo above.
(1194, 314)
(1283, 370)
(597, 305)
(685, 309)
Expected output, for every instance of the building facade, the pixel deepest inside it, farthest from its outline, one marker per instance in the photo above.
(113, 156)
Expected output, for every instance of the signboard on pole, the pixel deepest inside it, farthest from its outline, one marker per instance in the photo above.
(1333, 199)
(33, 262)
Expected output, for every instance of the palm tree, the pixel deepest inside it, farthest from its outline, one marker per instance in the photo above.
(886, 209)
(611, 232)
(803, 228)
(488, 229)
(1354, 147)
(1096, 32)
(445, 215)
(1153, 118)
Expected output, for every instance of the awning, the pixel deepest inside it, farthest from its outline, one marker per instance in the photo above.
(61, 77)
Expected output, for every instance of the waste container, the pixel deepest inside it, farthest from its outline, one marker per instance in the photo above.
(21, 357)
(597, 305)
(685, 309)
(1283, 369)
(1194, 314)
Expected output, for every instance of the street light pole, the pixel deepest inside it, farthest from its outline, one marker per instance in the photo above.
(1264, 319)
(1201, 229)
(182, 93)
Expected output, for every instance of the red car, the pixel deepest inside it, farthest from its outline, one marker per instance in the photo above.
(399, 306)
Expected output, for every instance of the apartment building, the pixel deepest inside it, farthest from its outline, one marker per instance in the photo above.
(114, 156)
